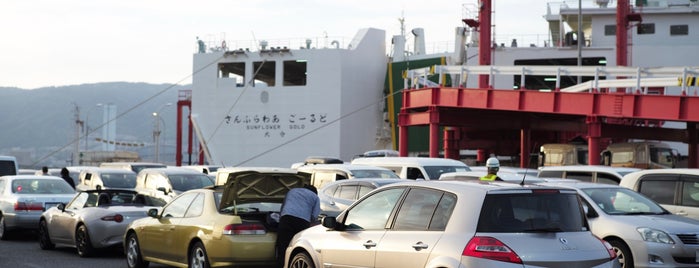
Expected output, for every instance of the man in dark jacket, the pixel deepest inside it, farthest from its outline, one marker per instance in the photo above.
(65, 174)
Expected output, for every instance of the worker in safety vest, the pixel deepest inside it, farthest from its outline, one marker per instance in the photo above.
(493, 165)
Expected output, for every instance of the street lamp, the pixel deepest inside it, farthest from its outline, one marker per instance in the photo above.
(156, 131)
(87, 123)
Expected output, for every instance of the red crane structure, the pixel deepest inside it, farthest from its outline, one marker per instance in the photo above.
(496, 120)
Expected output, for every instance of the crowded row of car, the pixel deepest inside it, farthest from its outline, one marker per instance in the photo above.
(444, 217)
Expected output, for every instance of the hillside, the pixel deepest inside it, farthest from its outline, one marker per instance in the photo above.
(41, 121)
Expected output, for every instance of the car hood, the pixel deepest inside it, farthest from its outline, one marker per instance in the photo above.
(667, 222)
(253, 186)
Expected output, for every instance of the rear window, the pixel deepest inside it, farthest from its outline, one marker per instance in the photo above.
(435, 171)
(118, 180)
(7, 168)
(531, 212)
(41, 186)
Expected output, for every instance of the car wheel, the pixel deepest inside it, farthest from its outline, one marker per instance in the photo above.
(44, 239)
(82, 242)
(623, 253)
(301, 260)
(134, 259)
(197, 256)
(3, 229)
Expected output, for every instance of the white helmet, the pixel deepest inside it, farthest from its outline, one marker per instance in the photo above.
(492, 163)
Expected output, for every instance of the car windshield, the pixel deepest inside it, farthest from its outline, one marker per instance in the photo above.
(41, 186)
(185, 182)
(435, 171)
(622, 201)
(119, 180)
(545, 211)
(371, 173)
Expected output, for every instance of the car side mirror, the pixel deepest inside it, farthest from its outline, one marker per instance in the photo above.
(61, 207)
(163, 189)
(329, 222)
(153, 212)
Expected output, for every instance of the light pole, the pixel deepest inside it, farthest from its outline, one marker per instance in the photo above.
(87, 123)
(156, 131)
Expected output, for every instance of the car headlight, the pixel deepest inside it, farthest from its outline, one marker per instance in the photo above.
(654, 235)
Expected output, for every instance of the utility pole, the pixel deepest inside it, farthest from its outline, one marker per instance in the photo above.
(78, 129)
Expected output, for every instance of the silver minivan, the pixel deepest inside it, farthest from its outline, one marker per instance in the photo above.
(677, 189)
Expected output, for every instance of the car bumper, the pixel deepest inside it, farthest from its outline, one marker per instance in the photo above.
(106, 234)
(23, 220)
(666, 255)
(242, 249)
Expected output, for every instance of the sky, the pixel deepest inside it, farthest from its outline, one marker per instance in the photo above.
(57, 43)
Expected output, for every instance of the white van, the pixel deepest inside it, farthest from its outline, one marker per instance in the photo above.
(676, 189)
(594, 173)
(413, 168)
(8, 165)
(322, 174)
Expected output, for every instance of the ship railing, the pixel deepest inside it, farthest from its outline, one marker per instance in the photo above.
(638, 78)
(223, 44)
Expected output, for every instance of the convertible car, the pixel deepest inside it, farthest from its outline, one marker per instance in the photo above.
(93, 219)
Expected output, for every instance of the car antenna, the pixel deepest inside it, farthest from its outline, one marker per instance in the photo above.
(523, 177)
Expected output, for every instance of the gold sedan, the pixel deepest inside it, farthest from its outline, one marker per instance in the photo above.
(227, 225)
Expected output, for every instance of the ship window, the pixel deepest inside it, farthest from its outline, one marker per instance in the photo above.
(264, 73)
(233, 70)
(646, 28)
(679, 29)
(610, 29)
(295, 73)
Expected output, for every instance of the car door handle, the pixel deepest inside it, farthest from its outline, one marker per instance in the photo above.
(369, 244)
(420, 246)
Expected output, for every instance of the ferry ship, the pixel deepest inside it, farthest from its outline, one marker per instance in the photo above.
(274, 104)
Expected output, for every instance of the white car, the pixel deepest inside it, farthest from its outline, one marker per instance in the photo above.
(453, 224)
(676, 189)
(24, 197)
(642, 233)
(338, 195)
(592, 173)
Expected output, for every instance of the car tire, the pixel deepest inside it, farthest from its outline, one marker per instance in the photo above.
(44, 238)
(623, 253)
(198, 257)
(82, 242)
(301, 260)
(134, 259)
(3, 228)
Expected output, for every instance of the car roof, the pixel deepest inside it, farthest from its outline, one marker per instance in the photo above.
(577, 184)
(477, 174)
(688, 171)
(107, 170)
(466, 187)
(375, 181)
(589, 168)
(171, 170)
(406, 160)
(15, 177)
(345, 167)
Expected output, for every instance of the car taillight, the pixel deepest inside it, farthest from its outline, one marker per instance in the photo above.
(115, 218)
(610, 249)
(490, 248)
(24, 206)
(244, 229)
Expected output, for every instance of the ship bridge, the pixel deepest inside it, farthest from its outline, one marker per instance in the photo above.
(631, 103)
